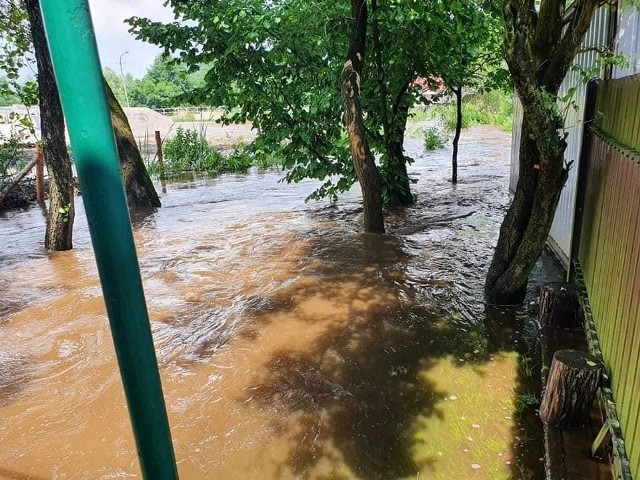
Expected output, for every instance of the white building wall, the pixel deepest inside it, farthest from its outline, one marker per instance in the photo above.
(627, 40)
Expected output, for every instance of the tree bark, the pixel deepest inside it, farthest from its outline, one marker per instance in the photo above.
(573, 380)
(59, 232)
(136, 179)
(537, 72)
(456, 138)
(559, 306)
(398, 184)
(363, 161)
(395, 178)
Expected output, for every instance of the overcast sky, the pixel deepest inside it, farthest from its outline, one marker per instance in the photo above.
(114, 39)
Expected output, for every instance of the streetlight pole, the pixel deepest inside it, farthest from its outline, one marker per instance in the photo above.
(124, 84)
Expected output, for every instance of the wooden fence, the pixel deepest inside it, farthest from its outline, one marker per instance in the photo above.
(609, 251)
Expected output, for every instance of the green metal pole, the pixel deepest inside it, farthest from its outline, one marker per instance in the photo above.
(80, 83)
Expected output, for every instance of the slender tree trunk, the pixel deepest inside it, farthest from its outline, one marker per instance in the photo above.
(395, 179)
(363, 161)
(61, 189)
(456, 138)
(137, 183)
(398, 184)
(539, 54)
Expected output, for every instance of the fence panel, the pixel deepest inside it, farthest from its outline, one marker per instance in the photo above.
(610, 247)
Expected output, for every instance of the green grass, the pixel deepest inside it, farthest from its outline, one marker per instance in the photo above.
(188, 117)
(488, 108)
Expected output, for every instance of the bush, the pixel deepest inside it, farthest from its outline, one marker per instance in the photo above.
(434, 138)
(12, 157)
(189, 151)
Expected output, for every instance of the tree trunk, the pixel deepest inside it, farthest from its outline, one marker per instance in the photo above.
(560, 306)
(526, 226)
(573, 380)
(137, 183)
(395, 179)
(363, 161)
(61, 189)
(454, 157)
(537, 72)
(397, 182)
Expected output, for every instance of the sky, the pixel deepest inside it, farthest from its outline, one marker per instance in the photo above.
(114, 39)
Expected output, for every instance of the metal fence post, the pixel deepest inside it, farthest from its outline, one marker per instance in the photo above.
(80, 84)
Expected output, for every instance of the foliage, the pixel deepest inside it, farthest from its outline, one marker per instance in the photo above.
(167, 83)
(493, 107)
(120, 86)
(12, 157)
(189, 151)
(15, 55)
(277, 65)
(434, 138)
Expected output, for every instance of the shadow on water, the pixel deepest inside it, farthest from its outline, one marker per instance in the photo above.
(352, 403)
(16, 373)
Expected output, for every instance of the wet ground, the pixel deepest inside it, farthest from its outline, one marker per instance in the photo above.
(291, 346)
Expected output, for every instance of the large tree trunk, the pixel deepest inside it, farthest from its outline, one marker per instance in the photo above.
(137, 183)
(397, 182)
(363, 161)
(537, 69)
(61, 192)
(456, 138)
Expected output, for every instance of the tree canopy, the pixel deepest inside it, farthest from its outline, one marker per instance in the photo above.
(278, 64)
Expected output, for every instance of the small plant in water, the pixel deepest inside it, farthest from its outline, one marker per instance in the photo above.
(524, 401)
(434, 138)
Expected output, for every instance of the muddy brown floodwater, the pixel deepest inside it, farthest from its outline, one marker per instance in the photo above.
(291, 346)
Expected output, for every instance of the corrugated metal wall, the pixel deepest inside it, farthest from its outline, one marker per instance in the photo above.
(628, 39)
(597, 37)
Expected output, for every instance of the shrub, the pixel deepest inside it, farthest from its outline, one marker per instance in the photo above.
(189, 151)
(12, 157)
(434, 138)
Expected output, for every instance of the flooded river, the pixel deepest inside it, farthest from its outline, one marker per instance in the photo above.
(290, 345)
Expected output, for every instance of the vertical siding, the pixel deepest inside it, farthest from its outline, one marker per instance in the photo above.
(610, 258)
(627, 39)
(610, 247)
(597, 37)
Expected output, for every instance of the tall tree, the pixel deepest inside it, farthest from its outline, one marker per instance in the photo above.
(363, 161)
(540, 43)
(137, 183)
(61, 212)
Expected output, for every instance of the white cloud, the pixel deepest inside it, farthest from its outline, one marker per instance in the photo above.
(114, 39)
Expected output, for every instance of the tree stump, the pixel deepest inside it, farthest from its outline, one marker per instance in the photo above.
(559, 306)
(571, 388)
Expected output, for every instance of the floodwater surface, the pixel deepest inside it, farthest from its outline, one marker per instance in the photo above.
(290, 345)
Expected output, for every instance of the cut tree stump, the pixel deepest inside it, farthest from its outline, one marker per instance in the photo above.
(571, 388)
(559, 306)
